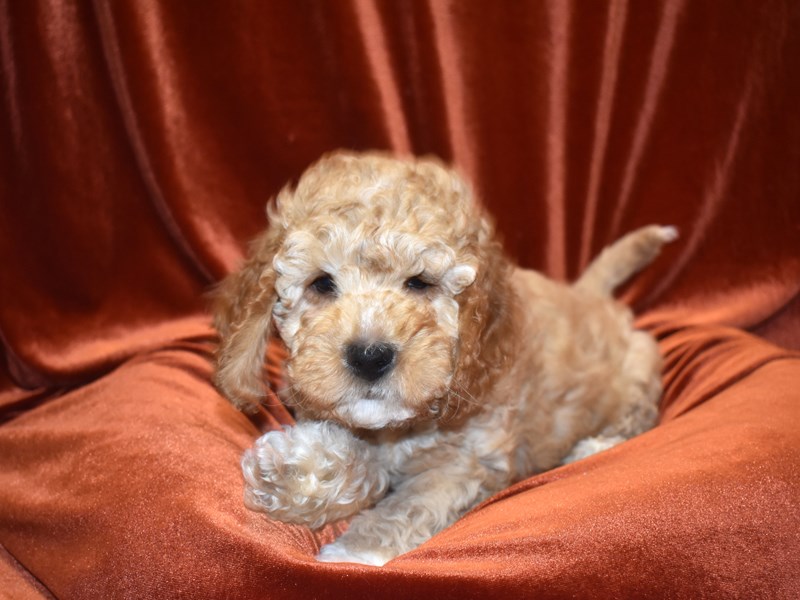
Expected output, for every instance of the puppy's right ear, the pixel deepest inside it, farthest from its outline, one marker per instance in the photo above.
(242, 306)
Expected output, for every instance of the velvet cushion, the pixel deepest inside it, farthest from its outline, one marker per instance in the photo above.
(139, 143)
(130, 487)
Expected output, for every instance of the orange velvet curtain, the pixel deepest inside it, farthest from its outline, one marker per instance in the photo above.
(140, 141)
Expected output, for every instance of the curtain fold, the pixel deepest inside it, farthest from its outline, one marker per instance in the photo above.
(142, 141)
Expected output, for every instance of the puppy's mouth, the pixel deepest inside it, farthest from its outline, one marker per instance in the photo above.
(375, 411)
(374, 414)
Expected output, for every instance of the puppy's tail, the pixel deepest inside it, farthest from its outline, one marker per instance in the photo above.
(623, 258)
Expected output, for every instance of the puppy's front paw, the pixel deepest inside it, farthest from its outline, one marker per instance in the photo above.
(311, 474)
(337, 552)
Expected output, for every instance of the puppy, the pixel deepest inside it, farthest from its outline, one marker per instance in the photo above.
(426, 371)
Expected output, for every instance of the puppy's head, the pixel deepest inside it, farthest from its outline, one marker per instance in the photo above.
(383, 279)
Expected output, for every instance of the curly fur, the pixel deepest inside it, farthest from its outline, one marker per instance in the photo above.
(497, 372)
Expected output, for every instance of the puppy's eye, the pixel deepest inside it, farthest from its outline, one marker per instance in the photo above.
(416, 284)
(324, 285)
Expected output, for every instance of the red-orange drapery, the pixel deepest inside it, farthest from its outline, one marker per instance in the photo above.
(139, 142)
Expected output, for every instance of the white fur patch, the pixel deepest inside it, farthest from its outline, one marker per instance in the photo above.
(669, 233)
(592, 445)
(459, 277)
(376, 413)
(336, 553)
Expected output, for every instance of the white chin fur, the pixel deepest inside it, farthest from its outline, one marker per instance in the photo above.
(375, 414)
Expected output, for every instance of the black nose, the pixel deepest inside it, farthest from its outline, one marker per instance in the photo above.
(370, 361)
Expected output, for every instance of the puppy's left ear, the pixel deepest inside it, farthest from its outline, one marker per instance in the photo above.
(242, 306)
(459, 277)
(487, 306)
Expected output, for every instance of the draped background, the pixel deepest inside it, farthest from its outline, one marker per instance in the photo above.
(139, 143)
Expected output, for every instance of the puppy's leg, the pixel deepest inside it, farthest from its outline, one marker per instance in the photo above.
(313, 473)
(638, 408)
(418, 507)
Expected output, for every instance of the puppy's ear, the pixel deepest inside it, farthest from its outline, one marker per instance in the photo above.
(242, 306)
(486, 336)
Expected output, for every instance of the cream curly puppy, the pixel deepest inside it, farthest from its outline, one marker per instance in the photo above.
(427, 372)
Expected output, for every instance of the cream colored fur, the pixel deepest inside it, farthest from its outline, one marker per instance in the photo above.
(498, 372)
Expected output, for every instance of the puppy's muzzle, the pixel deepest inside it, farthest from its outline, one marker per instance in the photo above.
(370, 362)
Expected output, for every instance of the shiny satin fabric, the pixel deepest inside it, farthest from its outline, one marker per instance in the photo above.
(139, 142)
